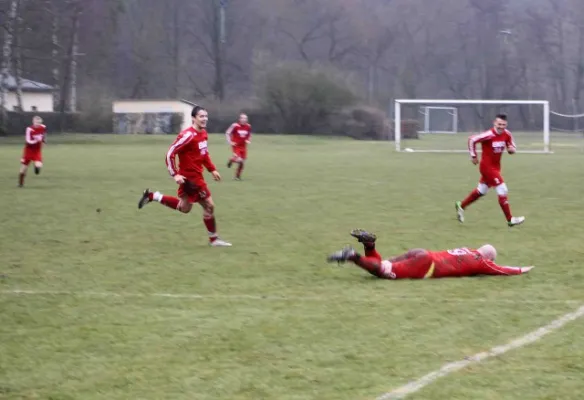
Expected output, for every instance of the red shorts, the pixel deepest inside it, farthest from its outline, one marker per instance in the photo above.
(491, 178)
(31, 155)
(240, 151)
(194, 195)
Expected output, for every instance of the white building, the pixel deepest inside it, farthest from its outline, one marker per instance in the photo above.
(139, 110)
(36, 96)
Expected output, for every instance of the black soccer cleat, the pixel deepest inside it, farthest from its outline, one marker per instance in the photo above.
(363, 236)
(37, 170)
(343, 255)
(229, 164)
(145, 199)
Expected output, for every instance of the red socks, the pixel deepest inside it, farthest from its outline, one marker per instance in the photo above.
(21, 179)
(211, 225)
(471, 198)
(239, 169)
(504, 203)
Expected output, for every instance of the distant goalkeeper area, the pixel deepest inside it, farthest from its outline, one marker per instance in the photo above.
(444, 125)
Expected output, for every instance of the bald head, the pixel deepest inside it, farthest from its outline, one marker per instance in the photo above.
(487, 251)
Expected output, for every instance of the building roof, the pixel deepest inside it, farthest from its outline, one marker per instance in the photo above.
(27, 85)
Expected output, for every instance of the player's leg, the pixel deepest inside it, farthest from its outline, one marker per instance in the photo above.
(368, 240)
(242, 153)
(37, 167)
(210, 223)
(23, 169)
(373, 264)
(234, 157)
(181, 203)
(502, 193)
(481, 190)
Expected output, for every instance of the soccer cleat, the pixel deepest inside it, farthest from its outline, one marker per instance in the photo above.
(219, 243)
(237, 178)
(229, 164)
(342, 256)
(145, 199)
(363, 236)
(459, 212)
(516, 221)
(525, 270)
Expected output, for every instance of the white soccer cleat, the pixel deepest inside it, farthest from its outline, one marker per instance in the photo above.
(516, 221)
(459, 212)
(219, 243)
(525, 270)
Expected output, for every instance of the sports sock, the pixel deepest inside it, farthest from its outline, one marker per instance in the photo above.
(37, 170)
(504, 203)
(21, 179)
(239, 169)
(471, 198)
(211, 225)
(369, 264)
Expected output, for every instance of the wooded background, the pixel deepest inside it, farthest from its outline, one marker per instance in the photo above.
(371, 51)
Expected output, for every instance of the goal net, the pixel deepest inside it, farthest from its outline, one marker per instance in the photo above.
(444, 125)
(567, 130)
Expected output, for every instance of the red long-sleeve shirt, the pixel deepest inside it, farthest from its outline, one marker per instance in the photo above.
(193, 155)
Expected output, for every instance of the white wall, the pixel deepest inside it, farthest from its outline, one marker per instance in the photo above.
(42, 101)
(154, 106)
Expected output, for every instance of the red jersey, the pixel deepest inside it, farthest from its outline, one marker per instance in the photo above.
(35, 136)
(421, 264)
(191, 148)
(239, 134)
(493, 145)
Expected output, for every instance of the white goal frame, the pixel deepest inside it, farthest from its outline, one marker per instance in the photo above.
(397, 118)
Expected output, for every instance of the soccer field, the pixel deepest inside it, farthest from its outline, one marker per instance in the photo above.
(133, 304)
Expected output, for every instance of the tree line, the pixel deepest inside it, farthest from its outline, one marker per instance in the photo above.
(220, 51)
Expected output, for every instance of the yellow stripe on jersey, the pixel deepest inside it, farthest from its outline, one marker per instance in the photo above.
(430, 271)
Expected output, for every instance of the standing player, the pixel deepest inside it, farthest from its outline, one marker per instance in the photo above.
(423, 264)
(494, 142)
(191, 148)
(35, 137)
(239, 136)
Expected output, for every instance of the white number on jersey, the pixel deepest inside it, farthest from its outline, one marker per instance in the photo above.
(459, 252)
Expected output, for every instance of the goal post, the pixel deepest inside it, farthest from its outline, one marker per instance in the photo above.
(455, 104)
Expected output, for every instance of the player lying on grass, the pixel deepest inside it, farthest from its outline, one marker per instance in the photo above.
(193, 156)
(35, 136)
(422, 264)
(494, 142)
(239, 136)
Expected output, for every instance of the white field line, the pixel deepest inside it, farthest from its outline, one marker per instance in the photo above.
(448, 369)
(259, 297)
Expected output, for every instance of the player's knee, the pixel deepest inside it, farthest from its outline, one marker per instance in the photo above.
(482, 189)
(502, 190)
(184, 207)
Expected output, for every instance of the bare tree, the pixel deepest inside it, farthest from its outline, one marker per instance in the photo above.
(6, 57)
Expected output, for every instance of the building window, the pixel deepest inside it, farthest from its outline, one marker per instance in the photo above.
(16, 108)
(34, 108)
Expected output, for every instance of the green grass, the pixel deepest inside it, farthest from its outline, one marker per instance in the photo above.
(321, 332)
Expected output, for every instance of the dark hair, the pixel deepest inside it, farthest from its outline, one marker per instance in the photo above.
(196, 110)
(501, 116)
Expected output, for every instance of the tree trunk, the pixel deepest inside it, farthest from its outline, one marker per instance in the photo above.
(6, 58)
(55, 47)
(218, 49)
(73, 60)
(17, 57)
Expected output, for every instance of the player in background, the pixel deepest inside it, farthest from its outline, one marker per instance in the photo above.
(494, 142)
(35, 136)
(423, 264)
(193, 155)
(239, 136)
